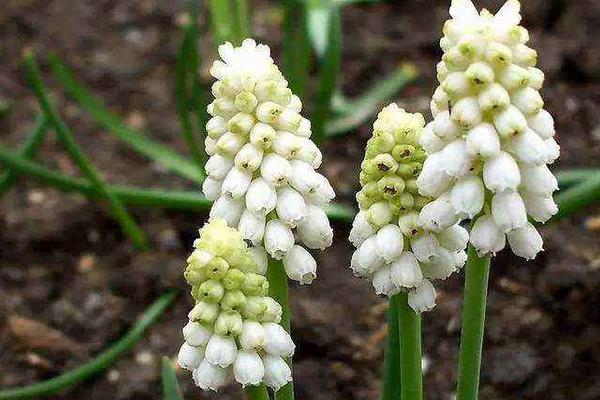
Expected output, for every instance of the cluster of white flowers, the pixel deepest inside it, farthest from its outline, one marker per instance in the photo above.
(234, 329)
(261, 171)
(491, 139)
(393, 248)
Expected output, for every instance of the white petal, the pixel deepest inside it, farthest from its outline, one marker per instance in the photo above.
(279, 239)
(365, 260)
(501, 173)
(454, 238)
(467, 196)
(236, 183)
(540, 208)
(252, 226)
(278, 342)
(277, 372)
(483, 140)
(221, 351)
(361, 229)
(486, 237)
(248, 368)
(525, 242)
(261, 197)
(432, 180)
(423, 297)
(189, 356)
(300, 265)
(291, 207)
(228, 209)
(439, 214)
(211, 188)
(196, 334)
(253, 335)
(314, 230)
(508, 211)
(382, 282)
(406, 272)
(210, 377)
(261, 258)
(390, 242)
(538, 179)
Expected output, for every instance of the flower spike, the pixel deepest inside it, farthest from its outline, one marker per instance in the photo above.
(261, 171)
(233, 331)
(394, 249)
(491, 140)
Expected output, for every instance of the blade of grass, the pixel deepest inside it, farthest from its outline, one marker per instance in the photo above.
(357, 111)
(161, 154)
(296, 50)
(330, 66)
(97, 364)
(278, 289)
(391, 372)
(178, 200)
(183, 101)
(577, 197)
(169, 380)
(571, 177)
(66, 138)
(34, 140)
(137, 197)
(199, 101)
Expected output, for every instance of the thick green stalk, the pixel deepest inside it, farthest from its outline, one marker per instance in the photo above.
(222, 18)
(257, 392)
(243, 19)
(330, 68)
(410, 350)
(477, 273)
(66, 138)
(278, 289)
(391, 374)
(97, 364)
(34, 140)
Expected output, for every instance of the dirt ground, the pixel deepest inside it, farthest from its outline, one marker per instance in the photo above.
(70, 284)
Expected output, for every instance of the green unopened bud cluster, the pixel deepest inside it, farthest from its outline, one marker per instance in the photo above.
(393, 160)
(234, 325)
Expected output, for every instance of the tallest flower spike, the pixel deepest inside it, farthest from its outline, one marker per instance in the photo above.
(261, 171)
(491, 139)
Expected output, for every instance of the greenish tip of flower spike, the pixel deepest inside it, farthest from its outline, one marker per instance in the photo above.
(393, 160)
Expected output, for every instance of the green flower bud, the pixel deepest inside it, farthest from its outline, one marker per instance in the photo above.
(384, 163)
(233, 279)
(194, 276)
(246, 102)
(204, 313)
(254, 308)
(211, 291)
(390, 186)
(403, 152)
(255, 285)
(272, 312)
(233, 300)
(379, 214)
(224, 108)
(229, 323)
(240, 123)
(217, 268)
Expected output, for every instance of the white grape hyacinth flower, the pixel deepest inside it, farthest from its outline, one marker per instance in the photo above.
(234, 330)
(262, 169)
(393, 248)
(491, 140)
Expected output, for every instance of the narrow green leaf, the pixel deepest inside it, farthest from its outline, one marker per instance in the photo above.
(578, 197)
(169, 380)
(128, 224)
(330, 67)
(223, 21)
(357, 111)
(97, 364)
(257, 392)
(243, 19)
(296, 49)
(34, 140)
(571, 177)
(161, 154)
(183, 101)
(132, 196)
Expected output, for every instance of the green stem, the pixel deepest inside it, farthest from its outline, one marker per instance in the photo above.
(410, 350)
(391, 373)
(278, 289)
(100, 362)
(65, 136)
(477, 273)
(168, 378)
(257, 392)
(34, 140)
(243, 19)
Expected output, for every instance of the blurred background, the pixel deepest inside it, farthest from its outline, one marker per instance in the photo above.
(71, 283)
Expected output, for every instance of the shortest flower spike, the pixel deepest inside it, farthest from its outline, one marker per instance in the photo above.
(233, 331)
(397, 247)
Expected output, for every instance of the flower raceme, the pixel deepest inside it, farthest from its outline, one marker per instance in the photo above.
(394, 249)
(261, 171)
(491, 139)
(233, 330)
